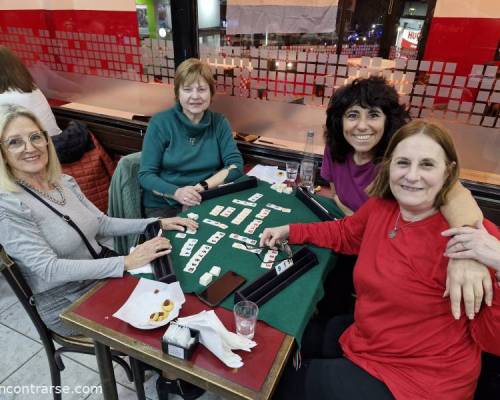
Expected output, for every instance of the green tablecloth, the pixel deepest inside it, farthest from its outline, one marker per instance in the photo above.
(290, 310)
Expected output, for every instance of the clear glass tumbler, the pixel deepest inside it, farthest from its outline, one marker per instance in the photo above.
(245, 315)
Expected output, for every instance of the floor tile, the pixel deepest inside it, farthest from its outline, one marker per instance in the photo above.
(123, 394)
(87, 360)
(121, 376)
(78, 380)
(15, 317)
(15, 350)
(7, 296)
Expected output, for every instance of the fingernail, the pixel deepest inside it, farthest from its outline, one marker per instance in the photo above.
(456, 316)
(471, 316)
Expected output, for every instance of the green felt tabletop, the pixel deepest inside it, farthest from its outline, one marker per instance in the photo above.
(290, 310)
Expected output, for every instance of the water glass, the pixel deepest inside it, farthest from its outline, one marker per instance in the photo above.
(292, 170)
(307, 175)
(245, 315)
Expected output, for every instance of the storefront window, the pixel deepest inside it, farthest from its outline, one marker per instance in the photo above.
(363, 24)
(265, 24)
(409, 30)
(154, 21)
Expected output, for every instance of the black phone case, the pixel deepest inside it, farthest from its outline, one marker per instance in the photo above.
(227, 291)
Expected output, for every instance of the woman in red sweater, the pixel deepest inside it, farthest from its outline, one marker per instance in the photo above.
(403, 343)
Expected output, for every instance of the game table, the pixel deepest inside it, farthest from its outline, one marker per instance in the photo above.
(282, 319)
(290, 310)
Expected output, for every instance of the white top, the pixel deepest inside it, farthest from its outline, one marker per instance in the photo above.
(36, 102)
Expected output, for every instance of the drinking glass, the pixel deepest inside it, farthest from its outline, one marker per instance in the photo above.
(292, 170)
(245, 315)
(307, 175)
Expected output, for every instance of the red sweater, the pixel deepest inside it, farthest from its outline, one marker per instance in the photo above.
(404, 333)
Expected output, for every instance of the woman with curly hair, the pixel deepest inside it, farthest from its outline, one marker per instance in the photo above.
(360, 120)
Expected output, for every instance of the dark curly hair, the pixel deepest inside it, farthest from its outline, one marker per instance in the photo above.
(367, 93)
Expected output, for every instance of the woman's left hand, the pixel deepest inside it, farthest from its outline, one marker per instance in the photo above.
(470, 280)
(178, 224)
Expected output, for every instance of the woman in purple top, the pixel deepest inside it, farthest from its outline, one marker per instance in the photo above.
(360, 120)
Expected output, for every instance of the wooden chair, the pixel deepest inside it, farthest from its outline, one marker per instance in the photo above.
(82, 344)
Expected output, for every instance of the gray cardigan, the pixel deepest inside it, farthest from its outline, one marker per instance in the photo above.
(48, 250)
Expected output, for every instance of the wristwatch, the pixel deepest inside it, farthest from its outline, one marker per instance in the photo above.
(204, 185)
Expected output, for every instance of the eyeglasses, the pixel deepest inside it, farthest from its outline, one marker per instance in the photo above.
(17, 144)
(283, 247)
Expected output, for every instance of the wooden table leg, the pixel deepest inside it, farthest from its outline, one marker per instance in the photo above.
(106, 371)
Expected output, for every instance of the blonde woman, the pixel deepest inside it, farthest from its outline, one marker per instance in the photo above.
(59, 263)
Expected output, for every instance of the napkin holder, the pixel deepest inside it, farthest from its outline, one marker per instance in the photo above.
(271, 283)
(163, 270)
(181, 352)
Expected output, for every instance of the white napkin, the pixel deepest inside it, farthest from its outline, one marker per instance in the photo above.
(216, 338)
(268, 173)
(147, 298)
(145, 269)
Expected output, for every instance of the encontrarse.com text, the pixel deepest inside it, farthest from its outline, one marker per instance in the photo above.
(44, 389)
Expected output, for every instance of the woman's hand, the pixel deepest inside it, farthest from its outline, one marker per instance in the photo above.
(475, 243)
(271, 236)
(469, 247)
(178, 224)
(470, 280)
(188, 196)
(147, 252)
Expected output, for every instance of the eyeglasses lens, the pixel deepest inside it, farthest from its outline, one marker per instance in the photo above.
(18, 144)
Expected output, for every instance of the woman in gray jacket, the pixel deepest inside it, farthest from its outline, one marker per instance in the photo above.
(53, 257)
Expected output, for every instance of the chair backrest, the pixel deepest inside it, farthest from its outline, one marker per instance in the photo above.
(21, 289)
(125, 197)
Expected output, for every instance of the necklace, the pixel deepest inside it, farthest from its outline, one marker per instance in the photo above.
(47, 195)
(394, 231)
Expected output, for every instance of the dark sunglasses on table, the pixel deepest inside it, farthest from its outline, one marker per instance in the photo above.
(282, 247)
(17, 144)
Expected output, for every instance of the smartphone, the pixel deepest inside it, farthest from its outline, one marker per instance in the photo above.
(219, 289)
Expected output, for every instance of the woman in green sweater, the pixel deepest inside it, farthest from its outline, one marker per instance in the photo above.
(187, 148)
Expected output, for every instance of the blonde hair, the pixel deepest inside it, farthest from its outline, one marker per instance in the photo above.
(8, 113)
(190, 71)
(381, 186)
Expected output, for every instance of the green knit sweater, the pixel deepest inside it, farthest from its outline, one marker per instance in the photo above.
(177, 153)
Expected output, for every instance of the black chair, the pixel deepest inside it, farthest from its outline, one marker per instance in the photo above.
(82, 344)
